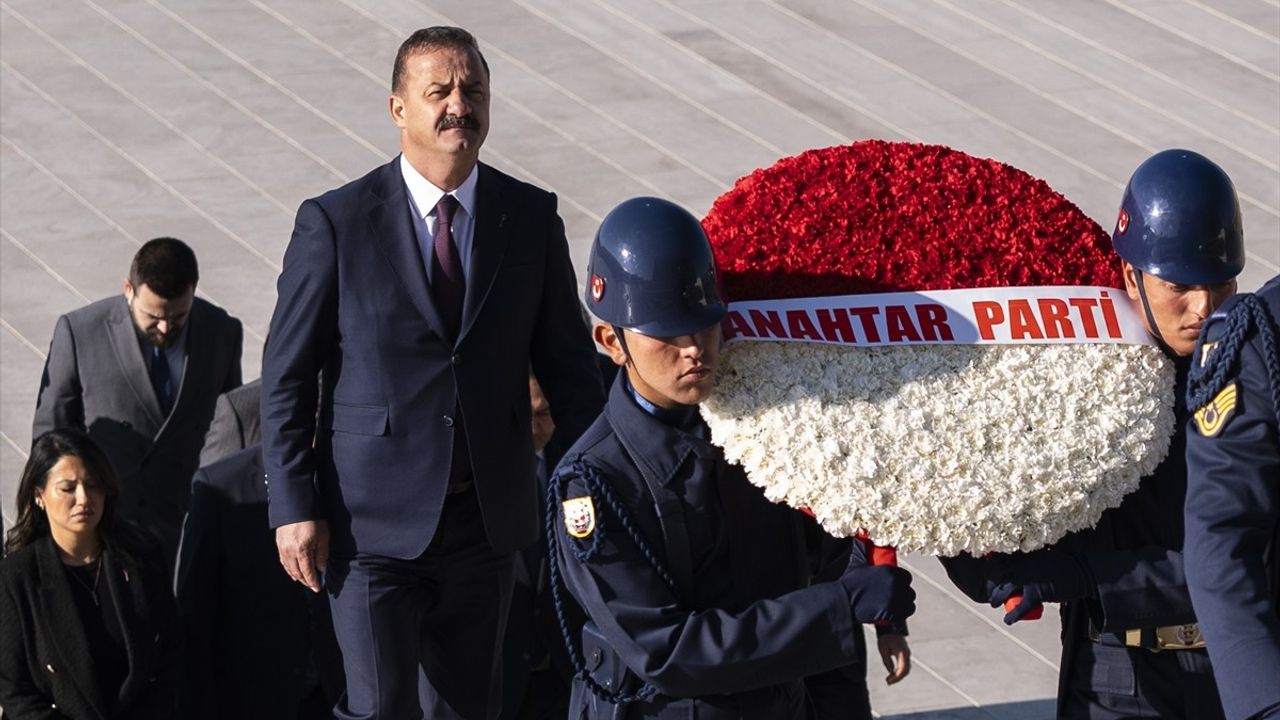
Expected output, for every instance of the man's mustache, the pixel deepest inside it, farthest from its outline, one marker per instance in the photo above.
(465, 122)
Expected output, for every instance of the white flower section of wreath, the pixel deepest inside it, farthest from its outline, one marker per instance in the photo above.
(944, 448)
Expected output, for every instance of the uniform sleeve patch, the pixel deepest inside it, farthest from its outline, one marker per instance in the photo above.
(1211, 418)
(579, 516)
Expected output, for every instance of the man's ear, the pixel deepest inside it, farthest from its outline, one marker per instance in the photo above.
(1130, 280)
(395, 106)
(606, 338)
(128, 290)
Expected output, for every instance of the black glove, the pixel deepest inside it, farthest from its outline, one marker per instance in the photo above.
(1048, 575)
(1029, 601)
(877, 593)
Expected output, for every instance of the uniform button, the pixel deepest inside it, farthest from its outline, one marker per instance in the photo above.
(448, 421)
(456, 359)
(595, 659)
(50, 668)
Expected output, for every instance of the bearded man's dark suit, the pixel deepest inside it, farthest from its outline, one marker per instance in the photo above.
(356, 308)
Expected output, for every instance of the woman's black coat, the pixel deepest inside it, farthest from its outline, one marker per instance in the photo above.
(46, 670)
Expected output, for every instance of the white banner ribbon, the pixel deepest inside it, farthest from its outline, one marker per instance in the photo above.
(1043, 315)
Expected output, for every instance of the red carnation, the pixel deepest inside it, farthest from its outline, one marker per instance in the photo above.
(879, 216)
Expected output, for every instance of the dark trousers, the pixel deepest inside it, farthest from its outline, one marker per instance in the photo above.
(423, 636)
(546, 697)
(842, 694)
(1117, 683)
(315, 707)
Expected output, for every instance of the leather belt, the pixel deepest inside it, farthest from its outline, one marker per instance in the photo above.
(1169, 637)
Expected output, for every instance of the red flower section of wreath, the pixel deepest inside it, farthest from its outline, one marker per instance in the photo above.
(880, 216)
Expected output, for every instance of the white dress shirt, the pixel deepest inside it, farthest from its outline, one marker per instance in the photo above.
(423, 197)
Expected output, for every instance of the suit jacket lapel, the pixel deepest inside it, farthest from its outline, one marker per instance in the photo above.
(391, 226)
(492, 234)
(65, 616)
(124, 340)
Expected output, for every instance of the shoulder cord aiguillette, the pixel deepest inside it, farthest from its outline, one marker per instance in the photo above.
(596, 488)
(1224, 362)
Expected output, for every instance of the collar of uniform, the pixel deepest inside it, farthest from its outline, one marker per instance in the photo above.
(657, 448)
(425, 195)
(684, 417)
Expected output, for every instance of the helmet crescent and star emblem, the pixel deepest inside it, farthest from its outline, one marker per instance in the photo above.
(597, 288)
(1122, 222)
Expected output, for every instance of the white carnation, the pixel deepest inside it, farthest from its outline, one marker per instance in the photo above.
(943, 448)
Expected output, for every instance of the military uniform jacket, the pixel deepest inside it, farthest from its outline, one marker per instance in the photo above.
(1233, 509)
(702, 593)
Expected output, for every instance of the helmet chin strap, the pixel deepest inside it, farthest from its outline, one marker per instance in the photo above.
(622, 340)
(1146, 308)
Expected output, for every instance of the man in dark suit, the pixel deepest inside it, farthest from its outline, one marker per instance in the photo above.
(141, 373)
(422, 293)
(236, 423)
(257, 646)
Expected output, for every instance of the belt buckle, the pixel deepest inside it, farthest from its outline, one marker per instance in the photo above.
(1133, 638)
(1179, 637)
(1169, 637)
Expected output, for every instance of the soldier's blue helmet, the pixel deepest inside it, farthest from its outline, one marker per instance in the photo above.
(1180, 220)
(651, 270)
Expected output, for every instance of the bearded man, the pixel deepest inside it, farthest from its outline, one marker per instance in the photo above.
(141, 373)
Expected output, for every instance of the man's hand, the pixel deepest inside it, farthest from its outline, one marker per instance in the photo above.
(895, 653)
(304, 551)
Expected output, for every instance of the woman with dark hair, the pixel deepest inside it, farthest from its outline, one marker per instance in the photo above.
(87, 622)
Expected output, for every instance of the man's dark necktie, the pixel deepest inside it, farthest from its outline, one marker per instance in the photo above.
(161, 380)
(447, 284)
(449, 288)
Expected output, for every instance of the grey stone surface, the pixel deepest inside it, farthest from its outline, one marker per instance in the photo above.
(121, 120)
